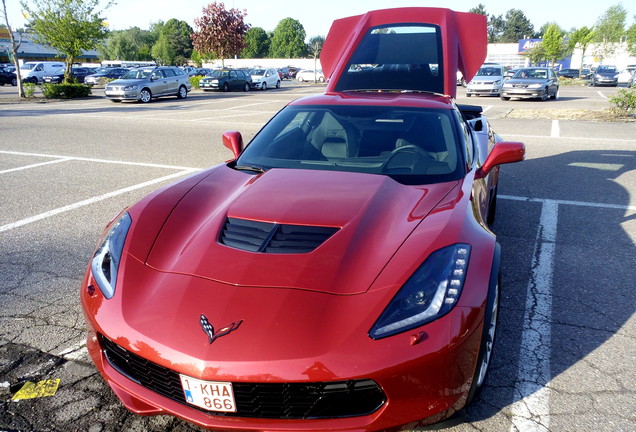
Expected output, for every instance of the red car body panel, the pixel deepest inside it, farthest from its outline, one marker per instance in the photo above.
(464, 40)
(304, 317)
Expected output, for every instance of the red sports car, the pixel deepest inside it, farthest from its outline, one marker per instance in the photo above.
(339, 273)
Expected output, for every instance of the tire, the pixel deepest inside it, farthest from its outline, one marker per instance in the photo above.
(505, 98)
(468, 95)
(14, 82)
(300, 79)
(491, 315)
(226, 87)
(264, 86)
(555, 96)
(115, 100)
(145, 96)
(182, 93)
(277, 84)
(545, 95)
(246, 87)
(321, 79)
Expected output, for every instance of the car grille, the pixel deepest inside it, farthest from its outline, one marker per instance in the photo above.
(269, 237)
(257, 400)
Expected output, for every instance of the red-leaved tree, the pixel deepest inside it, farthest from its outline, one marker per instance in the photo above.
(220, 31)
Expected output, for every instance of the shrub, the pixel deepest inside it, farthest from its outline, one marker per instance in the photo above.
(624, 101)
(65, 91)
(195, 81)
(29, 89)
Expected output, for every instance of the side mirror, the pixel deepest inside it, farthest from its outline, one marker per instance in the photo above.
(233, 141)
(503, 152)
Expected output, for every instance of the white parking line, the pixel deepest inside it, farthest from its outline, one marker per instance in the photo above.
(34, 165)
(531, 412)
(555, 131)
(92, 200)
(601, 95)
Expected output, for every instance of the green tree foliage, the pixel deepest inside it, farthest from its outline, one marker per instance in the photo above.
(220, 31)
(536, 54)
(554, 44)
(177, 34)
(257, 43)
(480, 9)
(581, 38)
(517, 27)
(288, 40)
(609, 29)
(544, 29)
(631, 39)
(69, 26)
(132, 44)
(162, 51)
(496, 27)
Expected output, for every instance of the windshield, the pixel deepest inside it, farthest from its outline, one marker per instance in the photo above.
(219, 73)
(531, 73)
(610, 69)
(137, 74)
(490, 71)
(411, 145)
(257, 72)
(28, 66)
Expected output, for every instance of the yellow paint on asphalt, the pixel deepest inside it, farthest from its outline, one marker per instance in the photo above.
(40, 389)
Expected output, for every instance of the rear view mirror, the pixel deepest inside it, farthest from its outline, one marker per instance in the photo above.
(503, 152)
(233, 141)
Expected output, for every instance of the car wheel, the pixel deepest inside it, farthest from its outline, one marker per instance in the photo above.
(226, 87)
(115, 100)
(321, 79)
(14, 82)
(182, 93)
(300, 79)
(277, 84)
(468, 95)
(555, 96)
(544, 96)
(145, 96)
(246, 87)
(505, 98)
(264, 86)
(489, 333)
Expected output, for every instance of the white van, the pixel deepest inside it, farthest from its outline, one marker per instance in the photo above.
(34, 72)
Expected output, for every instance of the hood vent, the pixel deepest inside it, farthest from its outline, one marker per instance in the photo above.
(267, 237)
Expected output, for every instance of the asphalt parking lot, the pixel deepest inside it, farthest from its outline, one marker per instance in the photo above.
(566, 220)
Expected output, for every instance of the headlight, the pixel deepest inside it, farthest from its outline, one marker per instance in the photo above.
(506, 85)
(431, 292)
(597, 76)
(130, 87)
(533, 86)
(106, 260)
(215, 81)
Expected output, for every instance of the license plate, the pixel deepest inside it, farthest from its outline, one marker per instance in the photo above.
(209, 395)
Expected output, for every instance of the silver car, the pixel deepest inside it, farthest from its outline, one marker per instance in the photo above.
(143, 84)
(487, 81)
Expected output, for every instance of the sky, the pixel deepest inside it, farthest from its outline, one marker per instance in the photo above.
(317, 16)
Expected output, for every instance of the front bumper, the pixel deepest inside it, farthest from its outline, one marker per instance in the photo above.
(121, 94)
(428, 378)
(208, 86)
(483, 90)
(523, 93)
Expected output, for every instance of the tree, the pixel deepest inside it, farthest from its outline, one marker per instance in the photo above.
(554, 44)
(314, 48)
(256, 43)
(69, 26)
(517, 27)
(496, 27)
(162, 51)
(536, 54)
(545, 27)
(177, 34)
(480, 9)
(220, 31)
(132, 44)
(631, 39)
(288, 40)
(609, 29)
(581, 38)
(14, 49)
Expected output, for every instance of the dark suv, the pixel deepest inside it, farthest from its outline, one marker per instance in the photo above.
(226, 80)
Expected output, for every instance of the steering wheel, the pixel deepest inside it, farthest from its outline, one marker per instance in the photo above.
(417, 154)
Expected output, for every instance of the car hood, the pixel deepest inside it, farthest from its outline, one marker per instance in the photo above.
(372, 215)
(607, 74)
(478, 79)
(126, 82)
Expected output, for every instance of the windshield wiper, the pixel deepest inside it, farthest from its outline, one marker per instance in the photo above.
(252, 168)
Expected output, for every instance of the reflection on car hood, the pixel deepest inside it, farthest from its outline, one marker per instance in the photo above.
(126, 82)
(373, 215)
(486, 78)
(526, 81)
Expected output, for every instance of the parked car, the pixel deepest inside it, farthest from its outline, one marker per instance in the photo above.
(487, 81)
(586, 73)
(569, 73)
(604, 75)
(265, 78)
(226, 80)
(34, 72)
(309, 75)
(338, 273)
(532, 83)
(144, 84)
(102, 75)
(626, 76)
(79, 73)
(7, 76)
